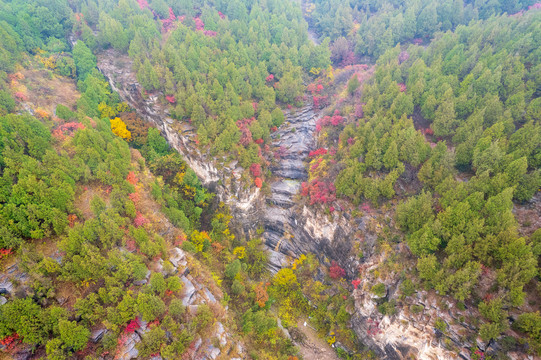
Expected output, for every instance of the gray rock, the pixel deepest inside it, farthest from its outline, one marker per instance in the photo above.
(97, 335)
(213, 352)
(177, 257)
(189, 291)
(209, 295)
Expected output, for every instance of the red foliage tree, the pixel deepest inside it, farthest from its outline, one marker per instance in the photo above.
(135, 197)
(10, 341)
(320, 192)
(269, 78)
(131, 178)
(132, 326)
(169, 23)
(246, 136)
(336, 272)
(356, 283)
(255, 169)
(318, 152)
(139, 220)
(143, 4)
(171, 99)
(258, 182)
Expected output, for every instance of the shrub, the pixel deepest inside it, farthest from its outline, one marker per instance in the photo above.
(379, 290)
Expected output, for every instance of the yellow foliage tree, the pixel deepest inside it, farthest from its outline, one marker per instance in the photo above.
(122, 107)
(119, 129)
(200, 240)
(240, 252)
(106, 111)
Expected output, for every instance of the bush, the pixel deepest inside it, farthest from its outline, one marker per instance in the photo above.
(64, 112)
(379, 290)
(150, 306)
(232, 269)
(176, 309)
(174, 284)
(157, 283)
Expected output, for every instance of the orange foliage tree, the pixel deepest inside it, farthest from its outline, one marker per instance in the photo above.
(261, 295)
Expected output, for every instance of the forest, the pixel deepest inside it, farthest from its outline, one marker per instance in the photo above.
(428, 115)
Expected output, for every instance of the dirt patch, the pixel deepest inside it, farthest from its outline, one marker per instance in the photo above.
(87, 193)
(44, 90)
(419, 121)
(529, 215)
(312, 346)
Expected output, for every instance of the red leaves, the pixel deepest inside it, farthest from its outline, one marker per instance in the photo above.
(319, 88)
(221, 15)
(318, 152)
(67, 129)
(132, 326)
(373, 327)
(255, 169)
(131, 178)
(169, 23)
(402, 87)
(336, 272)
(143, 4)
(335, 120)
(365, 207)
(417, 41)
(243, 125)
(20, 96)
(320, 192)
(134, 197)
(269, 78)
(10, 341)
(427, 131)
(258, 182)
(139, 220)
(5, 253)
(171, 99)
(199, 24)
(356, 283)
(259, 141)
(351, 141)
